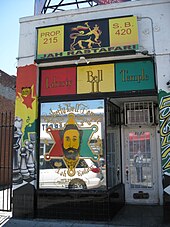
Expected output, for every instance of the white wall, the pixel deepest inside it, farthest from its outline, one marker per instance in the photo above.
(153, 22)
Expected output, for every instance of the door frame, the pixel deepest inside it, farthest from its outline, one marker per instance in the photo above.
(157, 171)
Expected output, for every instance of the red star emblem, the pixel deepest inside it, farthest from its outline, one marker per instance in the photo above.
(28, 100)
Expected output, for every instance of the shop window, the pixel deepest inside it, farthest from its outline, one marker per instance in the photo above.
(72, 146)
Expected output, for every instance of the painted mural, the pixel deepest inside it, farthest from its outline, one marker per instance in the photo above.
(71, 141)
(164, 112)
(24, 143)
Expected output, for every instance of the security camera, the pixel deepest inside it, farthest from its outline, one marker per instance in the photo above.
(168, 83)
(145, 52)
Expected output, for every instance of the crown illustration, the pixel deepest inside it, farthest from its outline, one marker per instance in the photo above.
(71, 119)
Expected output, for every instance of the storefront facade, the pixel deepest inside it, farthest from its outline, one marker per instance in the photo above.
(92, 111)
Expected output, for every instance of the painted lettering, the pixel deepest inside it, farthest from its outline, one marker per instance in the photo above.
(49, 34)
(88, 51)
(58, 54)
(129, 78)
(55, 83)
(95, 80)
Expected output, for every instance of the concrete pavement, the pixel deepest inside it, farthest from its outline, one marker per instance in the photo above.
(130, 216)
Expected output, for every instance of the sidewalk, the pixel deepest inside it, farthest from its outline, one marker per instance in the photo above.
(130, 216)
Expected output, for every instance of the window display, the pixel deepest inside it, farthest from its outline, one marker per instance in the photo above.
(72, 147)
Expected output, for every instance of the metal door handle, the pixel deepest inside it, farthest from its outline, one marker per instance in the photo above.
(127, 173)
(118, 173)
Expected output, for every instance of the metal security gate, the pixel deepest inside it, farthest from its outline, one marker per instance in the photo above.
(6, 138)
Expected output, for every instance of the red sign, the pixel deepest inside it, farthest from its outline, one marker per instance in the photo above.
(141, 136)
(61, 81)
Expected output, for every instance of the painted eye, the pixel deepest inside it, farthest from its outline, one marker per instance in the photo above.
(67, 139)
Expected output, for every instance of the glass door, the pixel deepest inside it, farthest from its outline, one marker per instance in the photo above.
(140, 168)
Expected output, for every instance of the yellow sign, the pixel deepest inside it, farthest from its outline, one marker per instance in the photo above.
(95, 79)
(50, 40)
(94, 37)
(123, 31)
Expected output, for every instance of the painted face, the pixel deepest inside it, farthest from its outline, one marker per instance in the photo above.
(71, 139)
(71, 142)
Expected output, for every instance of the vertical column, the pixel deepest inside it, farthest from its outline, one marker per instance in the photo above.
(24, 153)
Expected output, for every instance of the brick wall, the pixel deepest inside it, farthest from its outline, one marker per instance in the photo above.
(6, 105)
(7, 92)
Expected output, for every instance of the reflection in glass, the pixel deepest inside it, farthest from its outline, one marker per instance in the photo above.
(140, 159)
(71, 145)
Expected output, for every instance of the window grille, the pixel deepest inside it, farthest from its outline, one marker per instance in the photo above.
(113, 114)
(139, 113)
